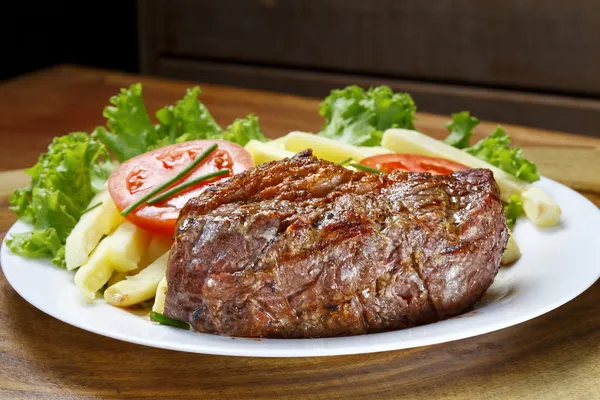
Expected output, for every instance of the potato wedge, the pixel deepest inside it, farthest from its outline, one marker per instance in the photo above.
(120, 251)
(117, 277)
(373, 151)
(90, 229)
(159, 298)
(140, 287)
(279, 142)
(540, 208)
(512, 252)
(264, 152)
(325, 148)
(94, 274)
(157, 246)
(542, 211)
(127, 244)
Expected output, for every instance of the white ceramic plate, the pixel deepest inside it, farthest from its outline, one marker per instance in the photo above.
(557, 265)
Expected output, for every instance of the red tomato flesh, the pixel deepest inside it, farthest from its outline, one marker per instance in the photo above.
(412, 163)
(137, 176)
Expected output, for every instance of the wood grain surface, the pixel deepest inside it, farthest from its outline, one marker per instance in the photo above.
(555, 356)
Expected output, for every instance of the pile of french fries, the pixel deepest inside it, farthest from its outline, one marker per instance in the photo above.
(113, 255)
(128, 264)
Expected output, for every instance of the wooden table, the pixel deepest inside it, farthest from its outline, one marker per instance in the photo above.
(556, 355)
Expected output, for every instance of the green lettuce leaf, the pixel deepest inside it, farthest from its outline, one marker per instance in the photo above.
(496, 150)
(130, 130)
(20, 204)
(513, 209)
(101, 173)
(242, 130)
(359, 117)
(59, 258)
(54, 209)
(37, 244)
(188, 117)
(63, 182)
(461, 129)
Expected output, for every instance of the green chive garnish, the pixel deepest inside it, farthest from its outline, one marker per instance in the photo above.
(91, 208)
(346, 161)
(168, 183)
(365, 168)
(184, 185)
(164, 320)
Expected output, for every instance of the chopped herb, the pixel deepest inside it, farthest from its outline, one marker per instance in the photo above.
(185, 185)
(91, 208)
(164, 320)
(365, 168)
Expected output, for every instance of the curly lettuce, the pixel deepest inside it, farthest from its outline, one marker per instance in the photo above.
(63, 182)
(41, 243)
(496, 150)
(513, 209)
(359, 117)
(188, 117)
(242, 130)
(461, 129)
(130, 132)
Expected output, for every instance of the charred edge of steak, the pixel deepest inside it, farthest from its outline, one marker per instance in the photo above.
(303, 247)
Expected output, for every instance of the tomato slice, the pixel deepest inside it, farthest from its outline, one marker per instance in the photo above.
(139, 175)
(412, 163)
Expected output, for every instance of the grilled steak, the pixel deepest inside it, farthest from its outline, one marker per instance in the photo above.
(306, 248)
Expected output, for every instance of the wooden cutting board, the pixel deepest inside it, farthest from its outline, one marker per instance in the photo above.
(554, 356)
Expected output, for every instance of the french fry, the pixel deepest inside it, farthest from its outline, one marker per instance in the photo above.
(265, 152)
(324, 148)
(127, 244)
(540, 208)
(372, 151)
(158, 245)
(512, 252)
(94, 274)
(140, 287)
(120, 251)
(159, 298)
(117, 277)
(328, 149)
(90, 229)
(279, 142)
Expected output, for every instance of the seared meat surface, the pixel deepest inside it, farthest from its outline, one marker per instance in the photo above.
(306, 248)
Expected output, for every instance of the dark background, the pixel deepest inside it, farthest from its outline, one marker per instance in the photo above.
(41, 34)
(534, 63)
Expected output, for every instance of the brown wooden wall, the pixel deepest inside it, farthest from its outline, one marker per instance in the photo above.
(530, 62)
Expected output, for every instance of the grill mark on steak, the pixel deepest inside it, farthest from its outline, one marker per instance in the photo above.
(307, 248)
